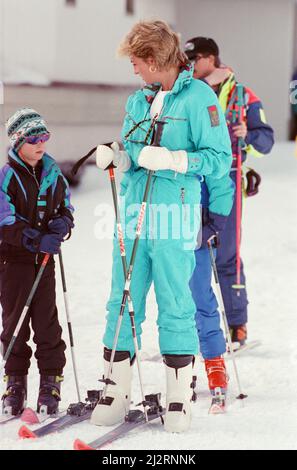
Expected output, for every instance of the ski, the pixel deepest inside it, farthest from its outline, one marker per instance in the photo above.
(28, 416)
(7, 418)
(218, 402)
(76, 413)
(134, 419)
(31, 416)
(245, 347)
(57, 425)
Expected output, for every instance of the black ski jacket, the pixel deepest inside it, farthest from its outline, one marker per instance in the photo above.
(29, 198)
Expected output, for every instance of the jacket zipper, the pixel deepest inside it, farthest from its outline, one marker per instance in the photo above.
(34, 176)
(152, 188)
(182, 195)
(38, 186)
(152, 217)
(155, 118)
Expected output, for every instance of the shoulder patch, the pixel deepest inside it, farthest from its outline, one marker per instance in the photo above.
(214, 115)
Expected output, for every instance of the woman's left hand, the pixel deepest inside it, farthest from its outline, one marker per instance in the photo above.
(160, 158)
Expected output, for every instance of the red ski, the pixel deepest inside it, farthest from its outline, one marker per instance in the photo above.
(218, 402)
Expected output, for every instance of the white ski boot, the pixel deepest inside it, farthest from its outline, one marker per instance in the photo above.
(113, 408)
(179, 371)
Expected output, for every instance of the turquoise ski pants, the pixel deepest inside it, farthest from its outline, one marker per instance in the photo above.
(164, 257)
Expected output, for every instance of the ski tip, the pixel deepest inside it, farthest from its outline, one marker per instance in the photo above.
(29, 416)
(26, 433)
(216, 410)
(80, 445)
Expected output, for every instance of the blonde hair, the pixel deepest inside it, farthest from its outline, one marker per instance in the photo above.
(154, 39)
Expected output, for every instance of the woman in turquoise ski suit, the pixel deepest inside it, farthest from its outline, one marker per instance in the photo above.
(167, 262)
(194, 141)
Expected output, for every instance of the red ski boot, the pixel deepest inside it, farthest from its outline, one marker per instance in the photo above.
(217, 382)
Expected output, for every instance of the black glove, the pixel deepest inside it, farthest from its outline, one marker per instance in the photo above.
(61, 225)
(215, 224)
(36, 242)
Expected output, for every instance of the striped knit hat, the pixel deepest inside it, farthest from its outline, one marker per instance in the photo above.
(25, 122)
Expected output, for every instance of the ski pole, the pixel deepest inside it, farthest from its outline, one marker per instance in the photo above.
(124, 263)
(156, 140)
(127, 285)
(24, 312)
(240, 103)
(214, 238)
(69, 323)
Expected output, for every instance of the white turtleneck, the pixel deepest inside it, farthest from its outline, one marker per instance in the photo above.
(157, 104)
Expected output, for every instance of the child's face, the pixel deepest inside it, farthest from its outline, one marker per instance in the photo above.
(32, 153)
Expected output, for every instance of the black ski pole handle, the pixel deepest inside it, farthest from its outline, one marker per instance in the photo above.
(158, 131)
(82, 160)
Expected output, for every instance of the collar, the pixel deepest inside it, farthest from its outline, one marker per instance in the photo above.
(184, 78)
(46, 162)
(225, 90)
(37, 167)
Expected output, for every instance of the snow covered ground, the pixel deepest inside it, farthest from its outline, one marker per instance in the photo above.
(268, 419)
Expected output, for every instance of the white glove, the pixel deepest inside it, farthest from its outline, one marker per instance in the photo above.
(160, 158)
(105, 155)
(121, 159)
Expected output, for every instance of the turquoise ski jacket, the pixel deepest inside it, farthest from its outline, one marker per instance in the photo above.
(194, 123)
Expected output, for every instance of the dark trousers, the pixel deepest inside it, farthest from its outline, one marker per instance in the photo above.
(235, 301)
(16, 283)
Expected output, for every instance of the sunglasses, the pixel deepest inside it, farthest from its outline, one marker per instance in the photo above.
(199, 57)
(36, 139)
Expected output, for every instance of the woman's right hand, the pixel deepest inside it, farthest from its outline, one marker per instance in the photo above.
(106, 155)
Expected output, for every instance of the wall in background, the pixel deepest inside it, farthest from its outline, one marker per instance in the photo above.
(256, 39)
(47, 41)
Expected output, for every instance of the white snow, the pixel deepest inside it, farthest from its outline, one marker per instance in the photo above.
(268, 417)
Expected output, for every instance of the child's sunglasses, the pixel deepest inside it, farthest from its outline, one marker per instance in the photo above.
(36, 139)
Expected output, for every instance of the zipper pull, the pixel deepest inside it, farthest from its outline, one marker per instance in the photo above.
(182, 194)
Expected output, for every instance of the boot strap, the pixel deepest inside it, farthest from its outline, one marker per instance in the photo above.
(213, 369)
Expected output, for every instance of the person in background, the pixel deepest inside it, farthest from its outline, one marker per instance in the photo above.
(258, 140)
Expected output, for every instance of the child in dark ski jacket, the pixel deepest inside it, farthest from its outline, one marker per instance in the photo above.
(35, 217)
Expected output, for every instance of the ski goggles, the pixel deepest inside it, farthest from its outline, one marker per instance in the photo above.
(36, 139)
